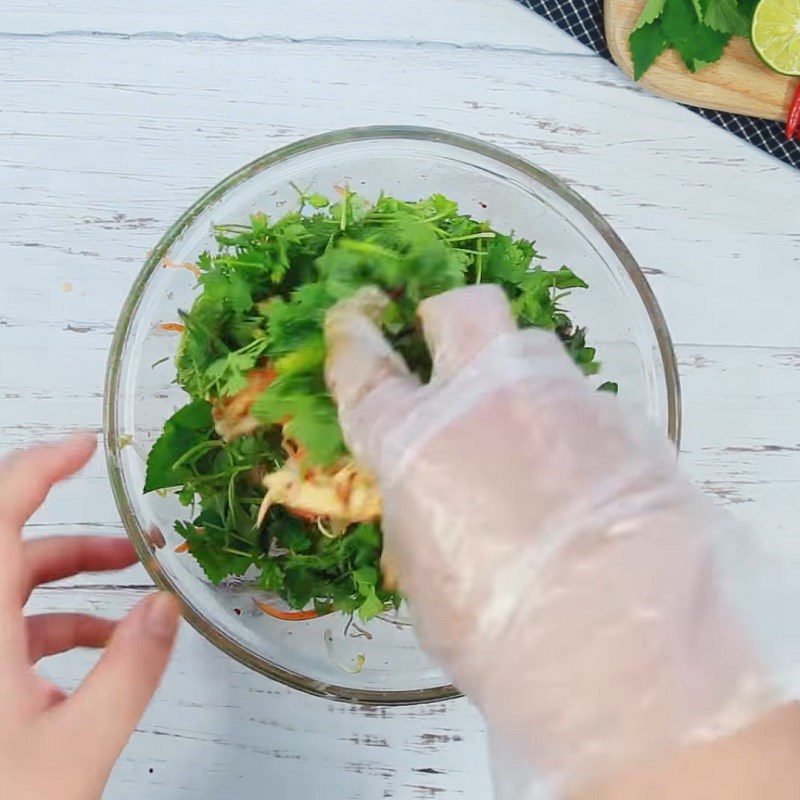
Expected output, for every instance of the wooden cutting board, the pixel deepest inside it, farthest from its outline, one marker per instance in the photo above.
(738, 82)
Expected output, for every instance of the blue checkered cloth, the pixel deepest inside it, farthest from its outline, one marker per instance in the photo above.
(583, 19)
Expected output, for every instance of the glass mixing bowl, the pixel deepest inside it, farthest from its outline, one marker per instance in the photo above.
(621, 314)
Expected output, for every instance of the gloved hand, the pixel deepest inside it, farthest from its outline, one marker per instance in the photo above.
(53, 745)
(557, 564)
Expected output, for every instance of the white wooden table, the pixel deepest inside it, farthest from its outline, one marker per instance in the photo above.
(115, 115)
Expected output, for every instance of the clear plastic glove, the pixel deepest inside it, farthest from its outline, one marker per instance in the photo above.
(53, 745)
(557, 564)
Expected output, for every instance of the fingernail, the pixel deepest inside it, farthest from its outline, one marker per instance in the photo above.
(162, 616)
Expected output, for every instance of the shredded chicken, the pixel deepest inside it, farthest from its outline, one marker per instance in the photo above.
(334, 497)
(342, 494)
(232, 417)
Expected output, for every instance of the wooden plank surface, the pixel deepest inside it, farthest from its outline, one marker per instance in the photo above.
(460, 23)
(739, 82)
(114, 117)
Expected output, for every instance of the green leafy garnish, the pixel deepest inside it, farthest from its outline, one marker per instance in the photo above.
(647, 43)
(686, 32)
(698, 30)
(729, 16)
(650, 13)
(261, 309)
(185, 437)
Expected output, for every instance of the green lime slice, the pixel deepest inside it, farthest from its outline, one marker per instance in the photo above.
(775, 34)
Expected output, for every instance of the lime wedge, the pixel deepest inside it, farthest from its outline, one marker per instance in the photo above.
(775, 34)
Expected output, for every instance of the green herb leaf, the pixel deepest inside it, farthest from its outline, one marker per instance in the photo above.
(263, 298)
(302, 403)
(318, 200)
(694, 41)
(216, 561)
(289, 532)
(650, 13)
(371, 607)
(697, 29)
(647, 43)
(227, 289)
(271, 577)
(725, 16)
(188, 428)
(747, 8)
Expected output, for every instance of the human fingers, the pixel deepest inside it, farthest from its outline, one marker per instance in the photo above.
(359, 357)
(361, 365)
(26, 476)
(49, 634)
(107, 706)
(459, 324)
(54, 558)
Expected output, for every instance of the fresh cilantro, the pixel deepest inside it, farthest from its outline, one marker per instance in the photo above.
(217, 561)
(271, 577)
(582, 355)
(372, 605)
(262, 303)
(288, 532)
(303, 400)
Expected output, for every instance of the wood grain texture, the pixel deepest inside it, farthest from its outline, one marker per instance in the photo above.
(111, 128)
(460, 23)
(739, 82)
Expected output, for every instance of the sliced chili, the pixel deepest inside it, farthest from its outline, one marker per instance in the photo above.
(793, 118)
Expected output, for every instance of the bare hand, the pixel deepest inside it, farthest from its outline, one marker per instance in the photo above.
(53, 745)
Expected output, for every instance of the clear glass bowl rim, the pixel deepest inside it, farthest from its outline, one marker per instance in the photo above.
(139, 537)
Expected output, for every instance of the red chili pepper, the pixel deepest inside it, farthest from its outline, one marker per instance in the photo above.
(793, 118)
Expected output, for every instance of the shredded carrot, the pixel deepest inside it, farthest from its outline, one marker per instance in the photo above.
(183, 265)
(183, 547)
(290, 616)
(172, 326)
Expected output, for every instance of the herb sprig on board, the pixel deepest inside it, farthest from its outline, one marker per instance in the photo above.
(698, 30)
(255, 332)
